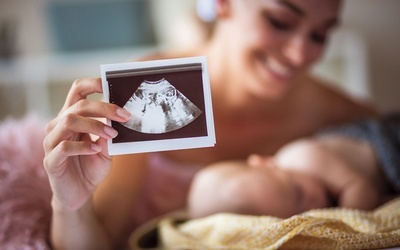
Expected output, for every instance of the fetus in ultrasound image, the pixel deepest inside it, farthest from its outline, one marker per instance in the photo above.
(158, 107)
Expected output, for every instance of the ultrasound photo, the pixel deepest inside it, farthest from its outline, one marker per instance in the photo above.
(170, 104)
(158, 107)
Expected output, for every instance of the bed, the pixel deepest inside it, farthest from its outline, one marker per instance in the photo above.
(333, 228)
(25, 213)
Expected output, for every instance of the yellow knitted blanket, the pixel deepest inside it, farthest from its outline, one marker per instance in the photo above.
(334, 228)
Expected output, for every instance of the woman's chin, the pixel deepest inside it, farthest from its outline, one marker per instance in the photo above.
(270, 86)
(270, 91)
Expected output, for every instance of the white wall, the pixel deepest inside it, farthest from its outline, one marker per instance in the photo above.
(378, 22)
(27, 17)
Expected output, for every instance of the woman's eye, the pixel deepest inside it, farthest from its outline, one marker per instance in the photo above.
(277, 23)
(318, 38)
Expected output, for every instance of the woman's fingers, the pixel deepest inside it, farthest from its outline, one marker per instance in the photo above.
(99, 109)
(75, 162)
(66, 149)
(92, 109)
(72, 125)
(68, 133)
(80, 89)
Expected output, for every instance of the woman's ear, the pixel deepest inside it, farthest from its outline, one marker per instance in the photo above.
(223, 7)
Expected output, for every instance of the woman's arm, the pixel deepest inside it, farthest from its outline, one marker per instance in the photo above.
(102, 221)
(76, 165)
(77, 229)
(115, 198)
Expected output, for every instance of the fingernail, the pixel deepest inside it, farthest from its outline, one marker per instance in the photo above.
(96, 147)
(110, 131)
(123, 113)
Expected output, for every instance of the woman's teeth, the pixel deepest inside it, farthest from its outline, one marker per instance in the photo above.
(278, 68)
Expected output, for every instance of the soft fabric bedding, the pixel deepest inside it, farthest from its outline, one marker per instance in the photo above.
(331, 228)
(25, 193)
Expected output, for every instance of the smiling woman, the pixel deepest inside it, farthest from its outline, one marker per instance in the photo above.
(258, 56)
(283, 38)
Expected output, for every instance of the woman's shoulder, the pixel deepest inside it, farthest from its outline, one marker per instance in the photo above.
(326, 90)
(339, 103)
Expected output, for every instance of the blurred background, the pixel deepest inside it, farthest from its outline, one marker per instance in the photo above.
(46, 44)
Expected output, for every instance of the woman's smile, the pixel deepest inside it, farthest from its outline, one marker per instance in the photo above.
(278, 70)
(274, 70)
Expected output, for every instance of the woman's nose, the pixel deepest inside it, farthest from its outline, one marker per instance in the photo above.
(299, 51)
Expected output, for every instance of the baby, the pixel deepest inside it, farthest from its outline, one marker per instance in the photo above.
(356, 166)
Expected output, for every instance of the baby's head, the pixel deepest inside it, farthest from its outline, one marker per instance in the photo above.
(254, 187)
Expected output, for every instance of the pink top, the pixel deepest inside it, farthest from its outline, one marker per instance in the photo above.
(165, 188)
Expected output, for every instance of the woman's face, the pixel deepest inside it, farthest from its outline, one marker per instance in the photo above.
(276, 40)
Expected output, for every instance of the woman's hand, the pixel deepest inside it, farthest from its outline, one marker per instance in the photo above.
(75, 163)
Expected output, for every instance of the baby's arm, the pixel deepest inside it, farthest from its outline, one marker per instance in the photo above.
(358, 193)
(349, 187)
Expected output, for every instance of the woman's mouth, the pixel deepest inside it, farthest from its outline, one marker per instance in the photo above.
(279, 69)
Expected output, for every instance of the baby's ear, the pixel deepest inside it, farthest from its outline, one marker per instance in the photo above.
(256, 160)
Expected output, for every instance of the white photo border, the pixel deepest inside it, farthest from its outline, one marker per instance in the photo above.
(162, 144)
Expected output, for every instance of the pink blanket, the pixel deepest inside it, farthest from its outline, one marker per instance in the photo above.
(24, 188)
